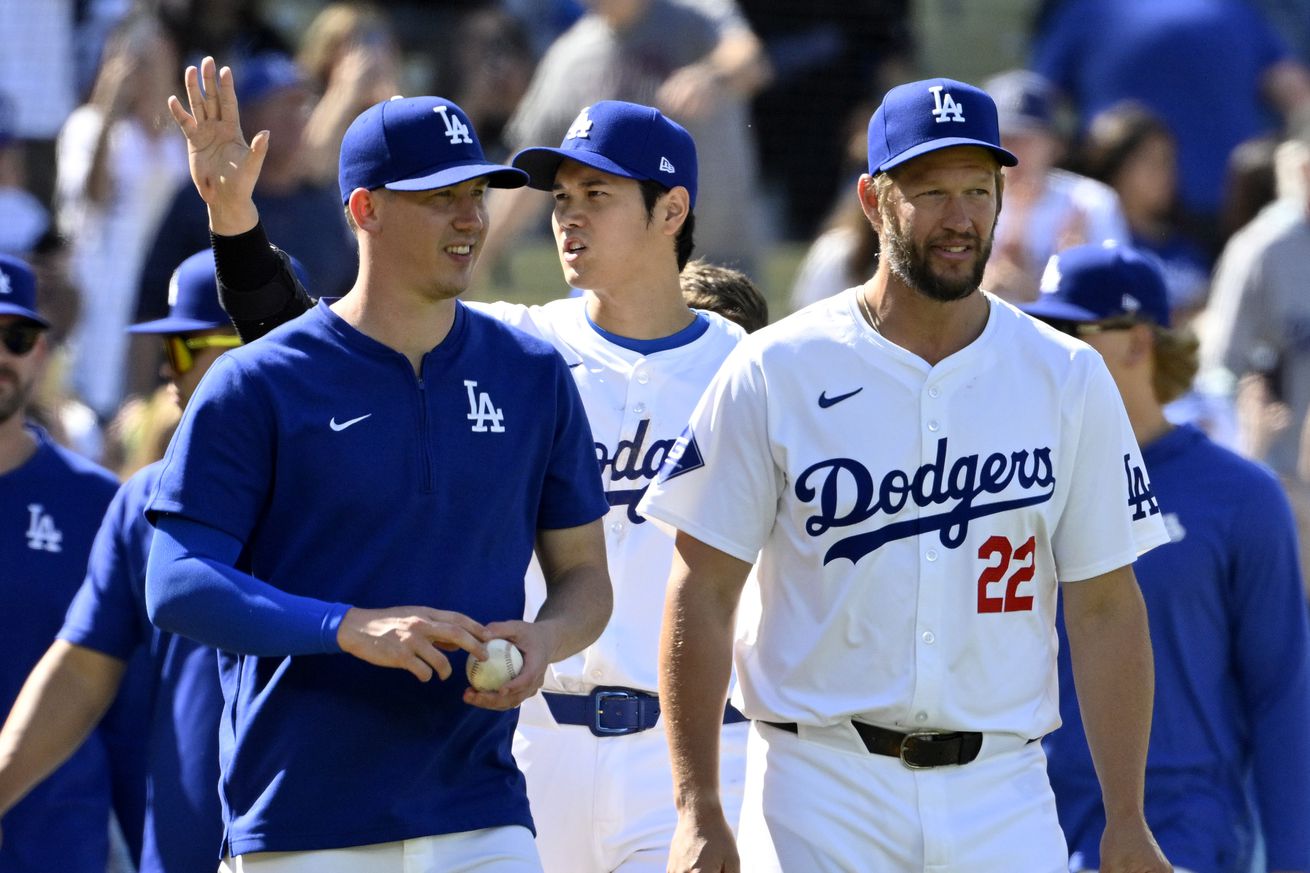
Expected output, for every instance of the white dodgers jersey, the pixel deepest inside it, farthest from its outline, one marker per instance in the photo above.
(637, 405)
(911, 520)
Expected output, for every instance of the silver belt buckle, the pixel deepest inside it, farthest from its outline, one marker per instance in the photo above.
(919, 736)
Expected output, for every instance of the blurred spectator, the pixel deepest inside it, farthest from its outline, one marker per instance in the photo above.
(729, 292)
(1208, 68)
(26, 219)
(1224, 598)
(37, 72)
(1131, 150)
(1045, 209)
(487, 71)
(842, 257)
(1258, 320)
(120, 164)
(308, 217)
(68, 420)
(353, 61)
(1291, 18)
(542, 21)
(139, 433)
(698, 69)
(827, 57)
(1250, 185)
(845, 254)
(52, 502)
(222, 28)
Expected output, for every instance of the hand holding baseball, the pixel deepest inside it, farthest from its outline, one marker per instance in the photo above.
(503, 663)
(534, 642)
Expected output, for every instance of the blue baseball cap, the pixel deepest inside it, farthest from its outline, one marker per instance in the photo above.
(416, 144)
(1097, 282)
(1025, 101)
(921, 117)
(260, 76)
(18, 290)
(626, 139)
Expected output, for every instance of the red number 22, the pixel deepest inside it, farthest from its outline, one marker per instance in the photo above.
(999, 547)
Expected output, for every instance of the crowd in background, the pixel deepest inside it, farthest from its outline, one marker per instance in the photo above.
(1187, 135)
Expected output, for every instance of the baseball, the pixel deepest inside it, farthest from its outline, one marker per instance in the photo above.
(503, 663)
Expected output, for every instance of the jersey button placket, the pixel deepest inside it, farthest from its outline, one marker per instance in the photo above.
(934, 583)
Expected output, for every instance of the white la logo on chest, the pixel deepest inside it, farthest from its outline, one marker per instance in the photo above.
(482, 411)
(456, 130)
(42, 535)
(581, 128)
(946, 109)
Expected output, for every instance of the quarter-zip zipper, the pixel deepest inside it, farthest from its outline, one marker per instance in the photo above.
(425, 441)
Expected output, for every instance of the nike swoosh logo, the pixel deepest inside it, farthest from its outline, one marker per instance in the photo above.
(825, 401)
(345, 424)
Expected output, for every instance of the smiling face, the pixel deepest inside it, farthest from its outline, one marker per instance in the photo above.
(603, 233)
(434, 237)
(936, 219)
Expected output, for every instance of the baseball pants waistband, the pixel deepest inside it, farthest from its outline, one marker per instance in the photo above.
(613, 711)
(917, 750)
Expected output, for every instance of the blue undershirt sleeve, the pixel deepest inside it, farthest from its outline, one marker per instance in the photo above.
(193, 589)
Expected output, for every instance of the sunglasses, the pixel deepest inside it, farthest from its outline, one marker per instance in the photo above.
(1092, 328)
(20, 336)
(180, 349)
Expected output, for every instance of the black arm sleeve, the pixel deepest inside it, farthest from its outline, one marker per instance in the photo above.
(256, 285)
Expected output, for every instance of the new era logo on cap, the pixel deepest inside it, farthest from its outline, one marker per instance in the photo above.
(922, 117)
(416, 144)
(626, 139)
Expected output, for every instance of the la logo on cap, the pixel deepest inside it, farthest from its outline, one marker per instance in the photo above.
(455, 129)
(5, 287)
(581, 128)
(945, 107)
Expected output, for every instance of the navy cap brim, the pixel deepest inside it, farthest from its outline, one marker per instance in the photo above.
(541, 164)
(1048, 306)
(174, 325)
(498, 176)
(22, 312)
(1006, 158)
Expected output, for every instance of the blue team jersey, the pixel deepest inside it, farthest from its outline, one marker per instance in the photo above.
(50, 509)
(350, 479)
(1232, 673)
(183, 826)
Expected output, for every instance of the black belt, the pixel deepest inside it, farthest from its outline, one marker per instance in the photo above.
(615, 712)
(917, 750)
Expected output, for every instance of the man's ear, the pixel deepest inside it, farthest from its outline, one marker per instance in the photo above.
(364, 208)
(867, 192)
(673, 209)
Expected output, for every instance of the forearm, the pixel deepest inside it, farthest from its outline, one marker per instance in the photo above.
(695, 665)
(256, 287)
(196, 593)
(59, 705)
(1114, 673)
(740, 64)
(579, 599)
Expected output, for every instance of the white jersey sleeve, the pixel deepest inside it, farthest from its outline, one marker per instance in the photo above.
(1109, 494)
(732, 504)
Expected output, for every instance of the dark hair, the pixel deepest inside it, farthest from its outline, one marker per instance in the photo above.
(1115, 134)
(728, 292)
(651, 192)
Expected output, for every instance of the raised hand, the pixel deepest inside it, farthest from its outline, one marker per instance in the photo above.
(224, 167)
